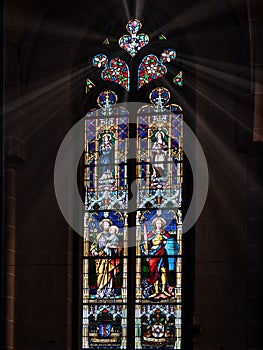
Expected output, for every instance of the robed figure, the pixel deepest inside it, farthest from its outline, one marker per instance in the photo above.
(153, 247)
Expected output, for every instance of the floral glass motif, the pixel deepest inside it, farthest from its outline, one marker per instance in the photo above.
(134, 42)
(168, 55)
(116, 70)
(100, 61)
(152, 68)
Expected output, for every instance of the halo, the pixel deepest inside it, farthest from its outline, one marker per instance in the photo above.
(104, 220)
(159, 132)
(106, 134)
(159, 218)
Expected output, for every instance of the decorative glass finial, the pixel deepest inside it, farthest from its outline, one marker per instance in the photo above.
(160, 96)
(100, 61)
(168, 55)
(106, 100)
(134, 42)
(133, 26)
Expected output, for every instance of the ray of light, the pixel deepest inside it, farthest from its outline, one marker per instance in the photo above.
(209, 62)
(45, 89)
(194, 14)
(139, 8)
(211, 100)
(219, 106)
(50, 116)
(64, 30)
(230, 79)
(126, 10)
(219, 74)
(216, 145)
(73, 32)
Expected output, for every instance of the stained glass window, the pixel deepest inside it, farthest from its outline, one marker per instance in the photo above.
(89, 85)
(154, 246)
(159, 225)
(178, 79)
(116, 70)
(105, 226)
(134, 42)
(152, 68)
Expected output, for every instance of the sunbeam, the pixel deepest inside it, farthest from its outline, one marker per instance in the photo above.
(217, 146)
(192, 15)
(73, 32)
(182, 99)
(47, 88)
(209, 62)
(126, 10)
(50, 116)
(139, 8)
(219, 106)
(216, 73)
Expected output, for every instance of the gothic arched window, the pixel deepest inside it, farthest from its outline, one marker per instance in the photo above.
(132, 259)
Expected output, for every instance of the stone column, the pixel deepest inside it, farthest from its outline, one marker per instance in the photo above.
(255, 184)
(11, 163)
(255, 249)
(13, 157)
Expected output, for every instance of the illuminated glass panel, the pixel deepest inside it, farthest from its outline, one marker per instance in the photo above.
(160, 326)
(105, 226)
(116, 71)
(178, 79)
(152, 68)
(99, 60)
(158, 216)
(159, 224)
(168, 55)
(104, 326)
(89, 85)
(134, 42)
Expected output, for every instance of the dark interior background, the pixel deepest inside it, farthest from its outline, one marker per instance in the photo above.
(48, 46)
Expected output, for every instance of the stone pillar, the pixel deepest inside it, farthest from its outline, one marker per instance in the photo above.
(256, 59)
(255, 248)
(258, 103)
(255, 184)
(11, 163)
(13, 157)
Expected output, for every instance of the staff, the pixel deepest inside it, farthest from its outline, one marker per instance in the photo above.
(145, 238)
